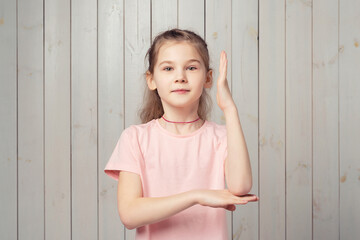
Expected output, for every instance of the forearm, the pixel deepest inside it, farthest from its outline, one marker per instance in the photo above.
(238, 169)
(144, 211)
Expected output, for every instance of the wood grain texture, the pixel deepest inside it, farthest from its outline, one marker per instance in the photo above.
(137, 42)
(164, 16)
(272, 120)
(349, 132)
(30, 120)
(191, 16)
(244, 51)
(325, 121)
(298, 123)
(57, 120)
(71, 79)
(84, 112)
(8, 120)
(218, 38)
(111, 109)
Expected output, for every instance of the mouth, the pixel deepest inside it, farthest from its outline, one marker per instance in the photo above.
(181, 91)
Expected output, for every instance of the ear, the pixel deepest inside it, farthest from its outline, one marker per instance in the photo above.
(150, 81)
(209, 79)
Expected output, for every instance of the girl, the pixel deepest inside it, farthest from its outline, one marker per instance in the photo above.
(171, 169)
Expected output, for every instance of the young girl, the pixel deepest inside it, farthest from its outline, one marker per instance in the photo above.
(171, 169)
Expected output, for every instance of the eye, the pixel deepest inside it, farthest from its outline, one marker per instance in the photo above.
(167, 68)
(192, 68)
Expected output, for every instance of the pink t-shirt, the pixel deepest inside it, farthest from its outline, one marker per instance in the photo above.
(168, 164)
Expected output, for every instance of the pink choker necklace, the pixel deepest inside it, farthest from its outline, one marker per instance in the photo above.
(181, 122)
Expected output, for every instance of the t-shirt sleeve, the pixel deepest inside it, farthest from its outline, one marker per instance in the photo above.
(126, 155)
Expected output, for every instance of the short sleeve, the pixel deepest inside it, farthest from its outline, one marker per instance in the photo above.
(126, 155)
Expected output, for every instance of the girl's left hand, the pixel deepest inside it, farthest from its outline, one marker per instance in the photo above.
(223, 94)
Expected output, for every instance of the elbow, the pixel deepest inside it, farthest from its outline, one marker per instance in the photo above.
(240, 190)
(127, 221)
(129, 226)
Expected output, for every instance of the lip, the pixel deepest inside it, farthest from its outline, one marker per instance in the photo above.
(181, 91)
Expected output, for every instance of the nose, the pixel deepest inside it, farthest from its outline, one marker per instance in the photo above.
(181, 77)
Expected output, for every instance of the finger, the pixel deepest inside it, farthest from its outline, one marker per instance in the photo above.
(245, 200)
(255, 199)
(224, 70)
(242, 202)
(230, 207)
(223, 65)
(250, 198)
(247, 195)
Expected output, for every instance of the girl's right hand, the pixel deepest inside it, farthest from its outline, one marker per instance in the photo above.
(223, 198)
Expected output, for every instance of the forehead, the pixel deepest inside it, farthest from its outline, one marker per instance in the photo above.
(177, 51)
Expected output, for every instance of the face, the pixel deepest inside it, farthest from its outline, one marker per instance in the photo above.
(179, 66)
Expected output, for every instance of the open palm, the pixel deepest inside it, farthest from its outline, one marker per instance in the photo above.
(223, 94)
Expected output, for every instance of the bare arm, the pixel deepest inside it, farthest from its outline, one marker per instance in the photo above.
(136, 211)
(237, 164)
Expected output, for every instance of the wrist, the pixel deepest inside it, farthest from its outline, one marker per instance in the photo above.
(195, 196)
(230, 109)
(230, 112)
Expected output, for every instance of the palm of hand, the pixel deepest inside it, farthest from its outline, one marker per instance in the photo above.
(223, 94)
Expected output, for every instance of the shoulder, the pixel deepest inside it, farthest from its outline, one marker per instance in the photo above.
(138, 130)
(215, 129)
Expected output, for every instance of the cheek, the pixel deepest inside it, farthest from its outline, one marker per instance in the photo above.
(199, 78)
(163, 86)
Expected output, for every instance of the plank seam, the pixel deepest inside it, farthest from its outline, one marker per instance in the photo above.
(124, 229)
(258, 61)
(231, 90)
(339, 165)
(312, 121)
(43, 103)
(17, 124)
(97, 113)
(71, 210)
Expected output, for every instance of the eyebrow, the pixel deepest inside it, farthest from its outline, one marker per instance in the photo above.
(190, 60)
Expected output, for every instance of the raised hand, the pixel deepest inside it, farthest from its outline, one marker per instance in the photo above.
(223, 94)
(223, 198)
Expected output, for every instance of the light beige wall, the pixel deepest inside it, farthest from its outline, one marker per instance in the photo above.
(71, 81)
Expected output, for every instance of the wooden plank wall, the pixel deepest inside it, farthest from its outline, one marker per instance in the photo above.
(71, 79)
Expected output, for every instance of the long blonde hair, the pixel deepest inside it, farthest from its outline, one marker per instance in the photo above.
(152, 107)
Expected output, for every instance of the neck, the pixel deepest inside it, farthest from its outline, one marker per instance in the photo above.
(198, 118)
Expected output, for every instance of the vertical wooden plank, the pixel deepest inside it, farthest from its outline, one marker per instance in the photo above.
(272, 119)
(164, 16)
(325, 121)
(137, 42)
(84, 119)
(8, 120)
(30, 120)
(298, 120)
(57, 120)
(349, 72)
(192, 18)
(111, 117)
(245, 94)
(218, 38)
